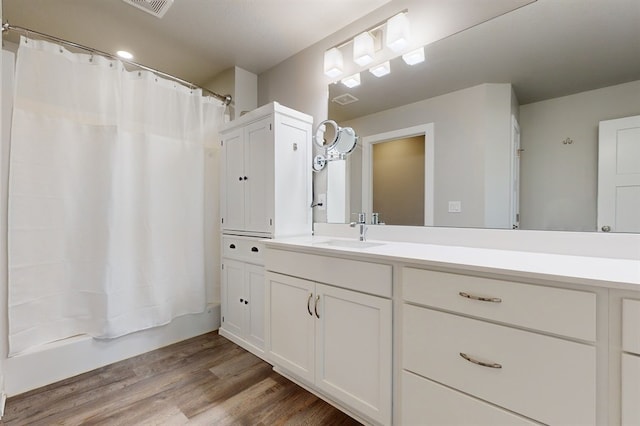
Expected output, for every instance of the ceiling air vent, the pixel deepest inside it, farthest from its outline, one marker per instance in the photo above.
(155, 7)
(345, 99)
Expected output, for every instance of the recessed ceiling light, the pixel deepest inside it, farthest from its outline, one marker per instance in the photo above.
(124, 54)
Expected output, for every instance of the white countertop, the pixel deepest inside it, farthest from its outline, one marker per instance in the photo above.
(594, 271)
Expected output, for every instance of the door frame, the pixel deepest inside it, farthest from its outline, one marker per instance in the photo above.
(426, 130)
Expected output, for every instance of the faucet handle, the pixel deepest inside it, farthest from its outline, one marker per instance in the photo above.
(362, 217)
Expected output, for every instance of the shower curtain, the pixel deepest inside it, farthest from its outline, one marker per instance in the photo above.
(106, 197)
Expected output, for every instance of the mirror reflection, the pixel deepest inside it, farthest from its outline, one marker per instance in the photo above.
(516, 106)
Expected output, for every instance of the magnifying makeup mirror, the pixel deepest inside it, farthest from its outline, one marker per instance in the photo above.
(336, 141)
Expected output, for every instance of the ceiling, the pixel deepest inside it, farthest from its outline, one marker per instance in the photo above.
(196, 39)
(546, 49)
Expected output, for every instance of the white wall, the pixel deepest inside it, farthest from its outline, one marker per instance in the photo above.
(558, 181)
(242, 85)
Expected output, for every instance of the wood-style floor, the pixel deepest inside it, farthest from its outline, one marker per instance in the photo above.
(207, 380)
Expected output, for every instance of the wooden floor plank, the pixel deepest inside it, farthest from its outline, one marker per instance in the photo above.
(201, 381)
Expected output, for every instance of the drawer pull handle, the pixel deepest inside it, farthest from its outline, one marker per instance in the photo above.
(481, 363)
(480, 298)
(254, 249)
(315, 307)
(232, 246)
(308, 304)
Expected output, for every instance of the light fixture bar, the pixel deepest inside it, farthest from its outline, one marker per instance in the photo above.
(371, 29)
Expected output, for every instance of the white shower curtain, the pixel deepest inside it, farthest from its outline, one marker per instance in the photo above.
(106, 197)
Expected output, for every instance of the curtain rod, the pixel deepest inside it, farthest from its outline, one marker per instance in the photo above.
(226, 99)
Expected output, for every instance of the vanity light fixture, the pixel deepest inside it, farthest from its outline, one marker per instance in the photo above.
(333, 63)
(352, 80)
(392, 34)
(363, 49)
(381, 69)
(398, 32)
(414, 57)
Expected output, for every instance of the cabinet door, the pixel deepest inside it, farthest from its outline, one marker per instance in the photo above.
(291, 325)
(232, 196)
(254, 304)
(258, 160)
(353, 340)
(630, 389)
(232, 293)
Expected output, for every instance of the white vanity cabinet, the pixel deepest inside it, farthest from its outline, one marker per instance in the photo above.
(266, 173)
(242, 292)
(498, 348)
(330, 328)
(630, 362)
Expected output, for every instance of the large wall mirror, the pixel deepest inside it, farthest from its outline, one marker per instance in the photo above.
(516, 105)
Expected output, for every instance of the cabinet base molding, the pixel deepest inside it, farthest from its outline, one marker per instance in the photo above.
(328, 400)
(244, 344)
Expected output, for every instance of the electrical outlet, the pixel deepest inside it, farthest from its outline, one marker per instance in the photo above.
(455, 206)
(322, 201)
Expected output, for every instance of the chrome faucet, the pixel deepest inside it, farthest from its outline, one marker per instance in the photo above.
(362, 224)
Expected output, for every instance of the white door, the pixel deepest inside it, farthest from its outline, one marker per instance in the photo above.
(258, 181)
(232, 293)
(353, 341)
(291, 325)
(619, 175)
(515, 173)
(254, 304)
(232, 192)
(630, 389)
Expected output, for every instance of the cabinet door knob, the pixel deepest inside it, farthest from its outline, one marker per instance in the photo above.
(245, 178)
(254, 249)
(240, 178)
(480, 363)
(241, 300)
(246, 302)
(480, 298)
(232, 246)
(315, 307)
(308, 304)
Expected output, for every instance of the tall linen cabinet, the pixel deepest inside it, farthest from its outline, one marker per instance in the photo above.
(265, 192)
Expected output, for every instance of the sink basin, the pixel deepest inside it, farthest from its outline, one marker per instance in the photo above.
(353, 244)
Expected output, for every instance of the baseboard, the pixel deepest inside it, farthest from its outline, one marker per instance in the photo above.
(3, 400)
(259, 352)
(71, 357)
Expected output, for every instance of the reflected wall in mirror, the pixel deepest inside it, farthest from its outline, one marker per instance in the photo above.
(504, 80)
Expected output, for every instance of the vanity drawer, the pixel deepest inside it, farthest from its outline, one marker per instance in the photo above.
(247, 249)
(564, 312)
(427, 403)
(544, 378)
(631, 325)
(365, 277)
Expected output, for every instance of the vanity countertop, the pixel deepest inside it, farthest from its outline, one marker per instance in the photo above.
(584, 270)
